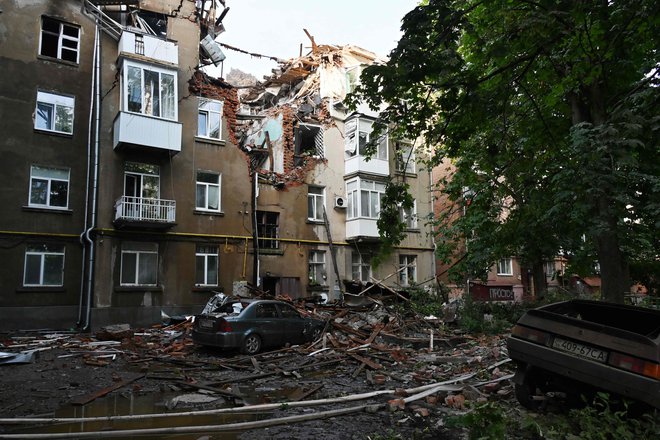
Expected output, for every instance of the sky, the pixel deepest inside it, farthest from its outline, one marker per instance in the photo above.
(275, 28)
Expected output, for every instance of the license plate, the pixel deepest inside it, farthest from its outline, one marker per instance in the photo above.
(206, 323)
(580, 350)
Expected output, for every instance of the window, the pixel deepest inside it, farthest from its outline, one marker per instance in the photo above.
(268, 229)
(409, 215)
(49, 187)
(59, 40)
(206, 265)
(308, 141)
(139, 264)
(505, 267)
(353, 78)
(141, 180)
(208, 191)
(317, 272)
(357, 137)
(405, 158)
(150, 91)
(266, 311)
(44, 265)
(315, 203)
(209, 120)
(288, 312)
(361, 265)
(407, 269)
(364, 198)
(54, 113)
(549, 269)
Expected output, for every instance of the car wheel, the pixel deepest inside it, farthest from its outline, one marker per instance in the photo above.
(316, 333)
(526, 391)
(251, 344)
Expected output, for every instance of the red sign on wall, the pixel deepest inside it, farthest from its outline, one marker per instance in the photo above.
(482, 292)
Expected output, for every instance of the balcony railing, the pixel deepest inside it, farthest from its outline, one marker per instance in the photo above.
(140, 209)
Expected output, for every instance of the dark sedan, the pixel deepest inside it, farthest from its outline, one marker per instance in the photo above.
(251, 325)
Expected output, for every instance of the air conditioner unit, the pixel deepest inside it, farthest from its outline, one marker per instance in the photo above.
(340, 202)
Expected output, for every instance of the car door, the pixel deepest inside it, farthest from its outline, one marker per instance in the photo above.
(267, 323)
(295, 326)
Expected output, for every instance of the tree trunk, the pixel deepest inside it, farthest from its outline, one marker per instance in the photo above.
(540, 281)
(614, 275)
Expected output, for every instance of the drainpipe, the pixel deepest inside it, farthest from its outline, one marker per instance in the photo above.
(255, 233)
(97, 128)
(83, 242)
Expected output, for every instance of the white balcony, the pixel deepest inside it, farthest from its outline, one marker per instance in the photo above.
(145, 212)
(133, 129)
(361, 228)
(359, 164)
(148, 46)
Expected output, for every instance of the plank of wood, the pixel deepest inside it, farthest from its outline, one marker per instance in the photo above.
(85, 399)
(369, 363)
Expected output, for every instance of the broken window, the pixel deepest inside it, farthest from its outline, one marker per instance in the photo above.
(150, 90)
(317, 272)
(206, 265)
(209, 120)
(357, 139)
(268, 229)
(308, 140)
(505, 267)
(44, 265)
(49, 187)
(315, 203)
(409, 215)
(364, 198)
(405, 158)
(139, 264)
(361, 267)
(59, 40)
(54, 112)
(352, 78)
(208, 191)
(407, 269)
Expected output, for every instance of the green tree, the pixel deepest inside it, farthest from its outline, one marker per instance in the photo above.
(547, 110)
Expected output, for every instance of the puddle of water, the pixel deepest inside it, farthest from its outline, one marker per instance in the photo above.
(132, 404)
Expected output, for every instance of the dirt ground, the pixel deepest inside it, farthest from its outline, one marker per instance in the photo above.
(161, 371)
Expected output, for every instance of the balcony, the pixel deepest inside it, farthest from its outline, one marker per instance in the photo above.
(359, 164)
(142, 212)
(133, 130)
(143, 46)
(362, 228)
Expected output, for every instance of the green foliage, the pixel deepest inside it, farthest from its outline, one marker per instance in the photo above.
(486, 421)
(425, 302)
(546, 115)
(390, 223)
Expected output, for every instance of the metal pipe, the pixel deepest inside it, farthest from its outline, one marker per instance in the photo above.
(97, 116)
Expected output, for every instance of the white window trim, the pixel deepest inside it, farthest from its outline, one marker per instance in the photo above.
(405, 157)
(47, 205)
(43, 255)
(220, 113)
(124, 95)
(510, 267)
(205, 256)
(137, 266)
(318, 265)
(352, 129)
(55, 100)
(360, 263)
(206, 192)
(318, 217)
(407, 261)
(409, 221)
(355, 199)
(61, 37)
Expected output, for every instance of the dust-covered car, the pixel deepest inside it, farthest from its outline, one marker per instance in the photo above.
(577, 346)
(251, 325)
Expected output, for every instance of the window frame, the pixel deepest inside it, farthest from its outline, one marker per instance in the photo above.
(49, 190)
(300, 150)
(313, 199)
(404, 157)
(409, 219)
(43, 254)
(206, 253)
(126, 102)
(61, 36)
(138, 249)
(55, 101)
(503, 264)
(360, 262)
(206, 186)
(357, 135)
(268, 232)
(354, 197)
(202, 101)
(406, 278)
(316, 269)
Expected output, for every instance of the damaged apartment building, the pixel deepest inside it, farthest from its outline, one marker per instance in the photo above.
(136, 184)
